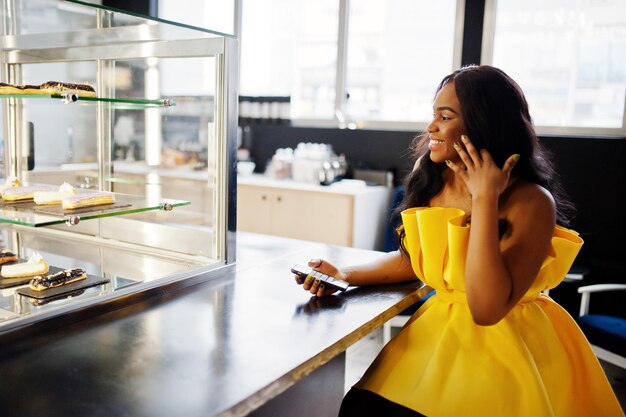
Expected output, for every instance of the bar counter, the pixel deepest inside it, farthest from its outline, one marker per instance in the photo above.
(246, 342)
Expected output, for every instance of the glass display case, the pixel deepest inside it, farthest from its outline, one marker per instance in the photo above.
(159, 135)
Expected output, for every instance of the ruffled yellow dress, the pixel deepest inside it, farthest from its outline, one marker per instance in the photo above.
(535, 362)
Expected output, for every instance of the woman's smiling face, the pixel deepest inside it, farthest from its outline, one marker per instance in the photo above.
(447, 125)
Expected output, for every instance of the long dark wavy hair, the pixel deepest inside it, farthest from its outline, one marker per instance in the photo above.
(497, 119)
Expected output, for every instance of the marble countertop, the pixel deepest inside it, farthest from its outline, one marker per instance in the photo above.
(351, 187)
(220, 348)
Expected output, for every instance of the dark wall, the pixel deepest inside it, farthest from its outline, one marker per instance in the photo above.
(473, 32)
(594, 175)
(592, 171)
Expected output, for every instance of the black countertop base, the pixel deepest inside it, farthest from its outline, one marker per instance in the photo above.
(218, 348)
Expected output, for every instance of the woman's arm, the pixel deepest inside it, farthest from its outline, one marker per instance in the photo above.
(498, 272)
(391, 268)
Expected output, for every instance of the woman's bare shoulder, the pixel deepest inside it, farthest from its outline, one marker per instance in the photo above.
(526, 199)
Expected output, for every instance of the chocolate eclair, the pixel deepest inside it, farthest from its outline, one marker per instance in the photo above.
(19, 89)
(44, 282)
(49, 87)
(7, 256)
(57, 87)
(8, 89)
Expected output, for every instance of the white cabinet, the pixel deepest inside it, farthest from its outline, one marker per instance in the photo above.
(343, 215)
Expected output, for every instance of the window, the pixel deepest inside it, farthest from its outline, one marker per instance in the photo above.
(569, 57)
(289, 48)
(396, 52)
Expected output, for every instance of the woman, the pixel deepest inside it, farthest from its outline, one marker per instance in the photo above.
(489, 343)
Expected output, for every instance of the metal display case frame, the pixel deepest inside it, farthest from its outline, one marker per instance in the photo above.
(142, 39)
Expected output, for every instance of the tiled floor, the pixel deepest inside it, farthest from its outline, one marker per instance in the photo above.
(360, 355)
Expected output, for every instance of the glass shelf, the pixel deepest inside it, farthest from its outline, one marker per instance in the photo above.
(117, 103)
(32, 215)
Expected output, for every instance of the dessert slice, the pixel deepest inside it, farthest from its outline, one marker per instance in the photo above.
(88, 200)
(54, 197)
(35, 265)
(44, 282)
(23, 193)
(7, 256)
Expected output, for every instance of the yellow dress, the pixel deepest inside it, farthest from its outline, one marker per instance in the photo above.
(535, 362)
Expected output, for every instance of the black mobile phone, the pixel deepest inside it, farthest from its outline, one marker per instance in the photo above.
(304, 271)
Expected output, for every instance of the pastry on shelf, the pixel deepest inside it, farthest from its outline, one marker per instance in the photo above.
(23, 193)
(10, 183)
(88, 200)
(54, 197)
(35, 265)
(50, 87)
(8, 89)
(16, 89)
(44, 282)
(59, 88)
(7, 256)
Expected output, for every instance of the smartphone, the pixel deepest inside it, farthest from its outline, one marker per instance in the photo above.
(304, 271)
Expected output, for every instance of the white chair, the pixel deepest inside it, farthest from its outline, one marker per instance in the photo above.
(607, 334)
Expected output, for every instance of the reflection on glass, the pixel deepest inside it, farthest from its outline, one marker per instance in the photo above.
(168, 152)
(215, 14)
(64, 17)
(61, 137)
(568, 56)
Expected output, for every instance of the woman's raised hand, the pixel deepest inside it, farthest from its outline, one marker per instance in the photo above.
(478, 170)
(314, 286)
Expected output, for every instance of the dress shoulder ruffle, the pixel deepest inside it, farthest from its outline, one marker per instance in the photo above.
(437, 238)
